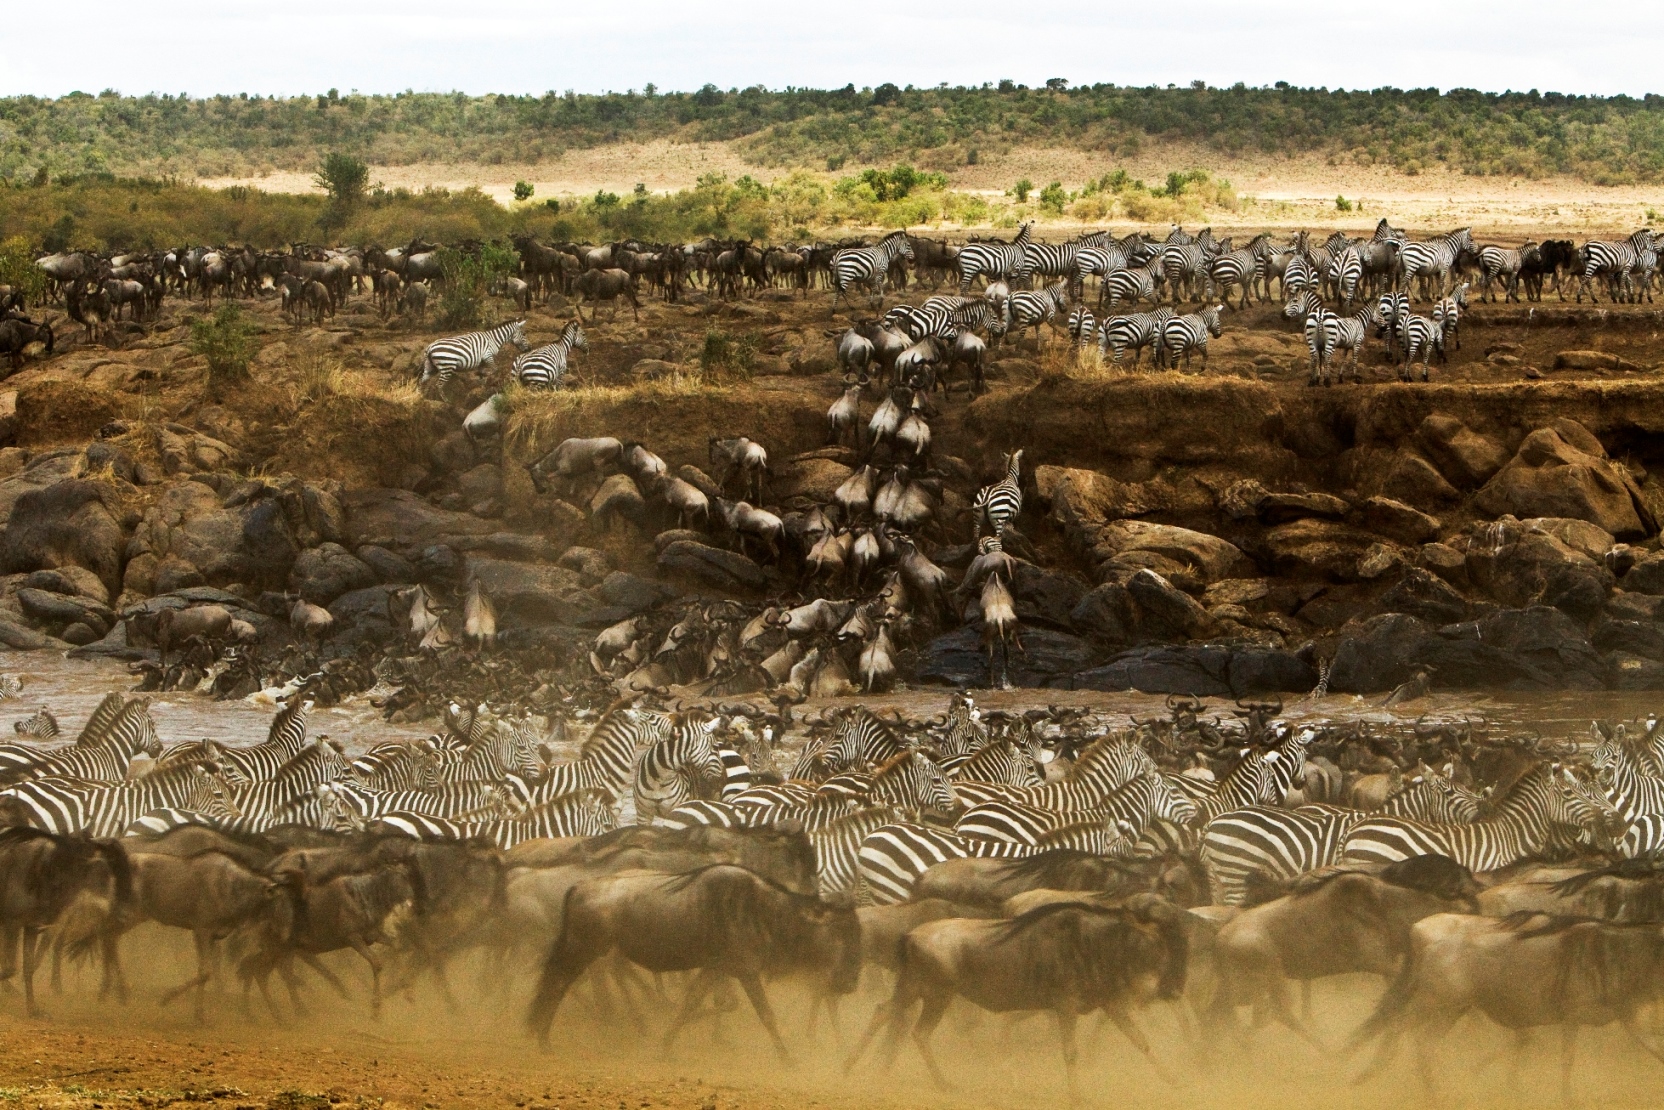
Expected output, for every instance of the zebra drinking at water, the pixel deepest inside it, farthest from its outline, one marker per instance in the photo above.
(444, 357)
(545, 366)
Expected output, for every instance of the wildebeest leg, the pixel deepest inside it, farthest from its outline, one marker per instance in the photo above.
(1305, 1000)
(32, 955)
(1627, 1020)
(1065, 1020)
(113, 977)
(1123, 1021)
(695, 994)
(204, 942)
(885, 1013)
(363, 949)
(286, 968)
(753, 985)
(935, 1005)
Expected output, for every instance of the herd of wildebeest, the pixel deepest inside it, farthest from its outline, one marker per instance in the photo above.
(1205, 863)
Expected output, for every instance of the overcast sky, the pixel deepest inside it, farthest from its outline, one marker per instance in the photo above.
(308, 46)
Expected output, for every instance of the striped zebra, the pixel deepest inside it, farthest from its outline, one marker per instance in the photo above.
(1633, 790)
(347, 806)
(398, 765)
(997, 505)
(1258, 779)
(1448, 313)
(285, 738)
(1184, 334)
(1186, 266)
(1431, 260)
(101, 809)
(995, 261)
(1424, 336)
(963, 734)
(1062, 260)
(1005, 762)
(607, 758)
(1280, 844)
(1546, 803)
(1034, 309)
(1501, 264)
(992, 316)
(1614, 262)
(1083, 327)
(1339, 334)
(41, 725)
(1130, 806)
(869, 266)
(1241, 267)
(892, 858)
(1103, 767)
(545, 367)
(1098, 261)
(1644, 271)
(1346, 275)
(1118, 334)
(1131, 284)
(1299, 275)
(837, 848)
(499, 749)
(290, 796)
(129, 733)
(444, 357)
(681, 766)
(582, 813)
(1390, 313)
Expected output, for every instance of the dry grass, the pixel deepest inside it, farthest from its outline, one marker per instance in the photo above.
(537, 419)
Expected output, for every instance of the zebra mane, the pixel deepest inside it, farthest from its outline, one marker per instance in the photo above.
(102, 720)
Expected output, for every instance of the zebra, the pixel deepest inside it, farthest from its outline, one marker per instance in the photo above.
(1317, 339)
(837, 846)
(1107, 764)
(1342, 333)
(1500, 262)
(285, 738)
(869, 266)
(1276, 261)
(1144, 329)
(398, 765)
(892, 857)
(1433, 258)
(1448, 312)
(1034, 309)
(347, 806)
(101, 809)
(1099, 262)
(1241, 267)
(291, 794)
(1632, 790)
(607, 758)
(1185, 265)
(674, 769)
(1134, 284)
(1279, 844)
(963, 734)
(1259, 778)
(859, 740)
(1614, 260)
(41, 726)
(583, 813)
(1002, 502)
(1083, 327)
(1644, 271)
(500, 749)
(1346, 274)
(1183, 334)
(545, 366)
(1422, 336)
(1130, 806)
(1522, 822)
(444, 357)
(994, 261)
(1390, 313)
(129, 733)
(1059, 261)
(1002, 763)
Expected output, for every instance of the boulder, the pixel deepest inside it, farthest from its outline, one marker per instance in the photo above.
(1647, 575)
(1636, 607)
(1463, 456)
(20, 638)
(529, 593)
(1081, 500)
(101, 455)
(1314, 548)
(1636, 637)
(1105, 614)
(1046, 597)
(631, 593)
(1241, 499)
(1444, 561)
(1162, 612)
(809, 479)
(1203, 671)
(712, 566)
(617, 499)
(361, 616)
(1513, 565)
(57, 612)
(1423, 594)
(1579, 535)
(1236, 591)
(1547, 639)
(1123, 546)
(1578, 590)
(75, 522)
(1379, 653)
(587, 561)
(1551, 477)
(72, 580)
(1398, 521)
(327, 571)
(173, 573)
(1634, 672)
(1413, 480)
(388, 566)
(1591, 360)
(403, 522)
(1049, 658)
(481, 483)
(1279, 508)
(269, 542)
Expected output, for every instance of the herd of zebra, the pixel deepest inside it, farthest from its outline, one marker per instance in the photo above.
(1223, 860)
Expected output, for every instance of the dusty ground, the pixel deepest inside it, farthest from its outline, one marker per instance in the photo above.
(1284, 192)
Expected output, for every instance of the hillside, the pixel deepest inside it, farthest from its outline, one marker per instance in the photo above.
(1617, 140)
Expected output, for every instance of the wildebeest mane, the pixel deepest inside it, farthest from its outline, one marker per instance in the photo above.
(1063, 868)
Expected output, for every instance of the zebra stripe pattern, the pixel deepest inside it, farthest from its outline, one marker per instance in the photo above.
(1119, 334)
(869, 266)
(445, 357)
(1184, 334)
(1001, 503)
(545, 367)
(994, 261)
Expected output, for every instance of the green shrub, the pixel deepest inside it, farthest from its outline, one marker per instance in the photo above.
(1021, 190)
(467, 280)
(18, 269)
(1053, 198)
(1342, 204)
(523, 190)
(727, 356)
(227, 342)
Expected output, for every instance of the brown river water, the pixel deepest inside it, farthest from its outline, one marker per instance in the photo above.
(71, 688)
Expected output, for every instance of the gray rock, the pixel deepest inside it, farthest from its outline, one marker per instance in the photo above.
(481, 483)
(57, 611)
(19, 638)
(100, 455)
(1203, 671)
(65, 523)
(403, 522)
(327, 571)
(361, 616)
(1163, 612)
(1643, 638)
(712, 566)
(633, 594)
(1398, 521)
(1317, 549)
(1634, 672)
(1465, 457)
(1046, 597)
(1105, 614)
(958, 659)
(1647, 575)
(388, 565)
(1423, 594)
(587, 561)
(1280, 508)
(528, 593)
(174, 573)
(1551, 477)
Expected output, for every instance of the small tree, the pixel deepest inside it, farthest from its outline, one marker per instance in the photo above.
(1022, 189)
(343, 177)
(18, 269)
(1053, 198)
(227, 341)
(468, 278)
(523, 190)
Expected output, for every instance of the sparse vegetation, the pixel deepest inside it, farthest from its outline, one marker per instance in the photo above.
(1605, 140)
(468, 277)
(727, 357)
(523, 190)
(18, 269)
(227, 342)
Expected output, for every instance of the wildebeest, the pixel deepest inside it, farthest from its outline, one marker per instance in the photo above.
(720, 920)
(179, 626)
(576, 458)
(1523, 972)
(1067, 958)
(1334, 923)
(606, 285)
(17, 335)
(41, 873)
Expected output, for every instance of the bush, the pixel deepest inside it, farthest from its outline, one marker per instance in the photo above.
(727, 356)
(227, 342)
(18, 269)
(1342, 204)
(468, 278)
(1053, 198)
(523, 190)
(1022, 189)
